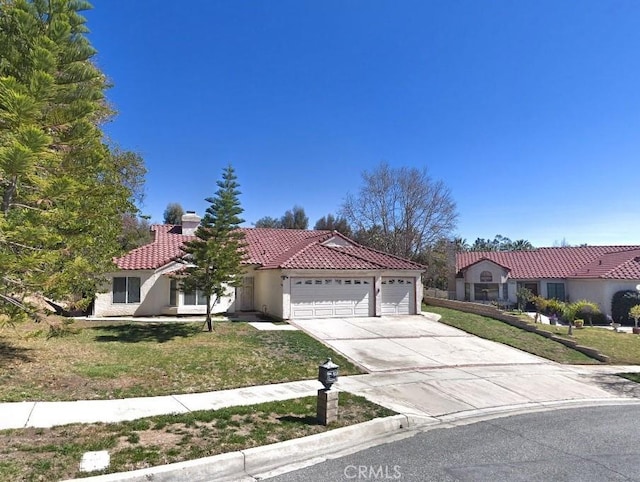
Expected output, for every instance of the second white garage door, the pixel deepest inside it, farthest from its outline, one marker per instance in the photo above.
(331, 297)
(397, 296)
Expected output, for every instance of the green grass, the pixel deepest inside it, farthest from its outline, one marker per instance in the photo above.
(621, 348)
(496, 330)
(118, 360)
(634, 377)
(54, 454)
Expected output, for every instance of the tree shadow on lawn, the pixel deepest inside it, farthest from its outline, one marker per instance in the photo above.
(10, 353)
(137, 332)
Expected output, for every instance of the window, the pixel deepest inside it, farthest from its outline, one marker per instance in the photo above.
(328, 281)
(126, 290)
(173, 293)
(485, 291)
(196, 297)
(486, 277)
(357, 282)
(318, 281)
(347, 281)
(556, 290)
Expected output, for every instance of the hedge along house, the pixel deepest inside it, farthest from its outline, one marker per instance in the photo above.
(289, 274)
(594, 273)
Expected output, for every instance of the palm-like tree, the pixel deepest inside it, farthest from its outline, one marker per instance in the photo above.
(461, 245)
(521, 245)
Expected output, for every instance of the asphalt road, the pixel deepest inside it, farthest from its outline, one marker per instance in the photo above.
(586, 444)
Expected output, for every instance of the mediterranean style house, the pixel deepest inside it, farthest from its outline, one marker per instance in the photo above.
(594, 273)
(289, 274)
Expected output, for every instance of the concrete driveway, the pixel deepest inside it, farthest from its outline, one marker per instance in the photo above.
(392, 343)
(425, 369)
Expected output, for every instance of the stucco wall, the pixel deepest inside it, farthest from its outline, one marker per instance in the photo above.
(154, 297)
(269, 292)
(598, 291)
(150, 294)
(499, 274)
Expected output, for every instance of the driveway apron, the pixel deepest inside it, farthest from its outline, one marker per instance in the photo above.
(424, 368)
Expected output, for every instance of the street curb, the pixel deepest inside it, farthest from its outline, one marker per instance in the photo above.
(258, 461)
(240, 464)
(479, 415)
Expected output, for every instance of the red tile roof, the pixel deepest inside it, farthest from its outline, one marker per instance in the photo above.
(271, 248)
(610, 262)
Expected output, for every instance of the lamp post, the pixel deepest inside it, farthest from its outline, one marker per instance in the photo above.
(327, 407)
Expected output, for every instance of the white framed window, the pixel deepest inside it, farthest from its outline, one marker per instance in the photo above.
(193, 298)
(173, 293)
(126, 289)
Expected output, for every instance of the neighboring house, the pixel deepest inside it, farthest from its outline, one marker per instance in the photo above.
(594, 273)
(289, 274)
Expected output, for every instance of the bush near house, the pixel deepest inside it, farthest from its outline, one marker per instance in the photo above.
(554, 307)
(621, 303)
(582, 309)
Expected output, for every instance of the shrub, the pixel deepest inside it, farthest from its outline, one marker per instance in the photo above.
(569, 313)
(523, 295)
(586, 310)
(554, 307)
(621, 303)
(634, 313)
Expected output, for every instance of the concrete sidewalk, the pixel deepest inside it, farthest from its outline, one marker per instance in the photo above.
(422, 393)
(48, 414)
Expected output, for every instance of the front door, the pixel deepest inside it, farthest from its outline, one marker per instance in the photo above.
(245, 294)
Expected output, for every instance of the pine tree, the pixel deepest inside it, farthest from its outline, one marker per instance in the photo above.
(215, 257)
(63, 192)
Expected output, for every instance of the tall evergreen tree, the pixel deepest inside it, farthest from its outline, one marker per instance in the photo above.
(215, 256)
(63, 192)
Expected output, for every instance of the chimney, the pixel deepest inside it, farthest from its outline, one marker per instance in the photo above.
(190, 222)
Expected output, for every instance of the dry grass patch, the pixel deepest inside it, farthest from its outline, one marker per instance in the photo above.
(54, 454)
(106, 360)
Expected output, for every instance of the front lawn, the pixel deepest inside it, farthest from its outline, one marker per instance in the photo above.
(105, 360)
(54, 454)
(496, 330)
(621, 348)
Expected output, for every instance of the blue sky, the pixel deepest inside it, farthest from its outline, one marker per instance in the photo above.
(529, 111)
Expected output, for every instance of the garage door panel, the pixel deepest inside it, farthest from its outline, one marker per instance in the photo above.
(397, 296)
(330, 297)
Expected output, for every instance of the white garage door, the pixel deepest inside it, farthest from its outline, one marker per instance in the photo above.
(331, 297)
(397, 296)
